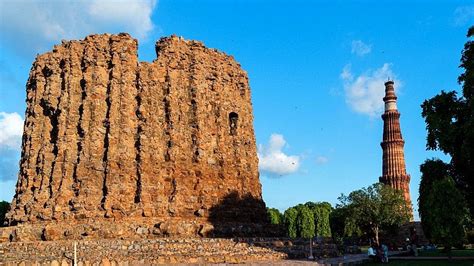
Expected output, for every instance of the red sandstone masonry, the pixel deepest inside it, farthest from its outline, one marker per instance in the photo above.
(108, 138)
(394, 171)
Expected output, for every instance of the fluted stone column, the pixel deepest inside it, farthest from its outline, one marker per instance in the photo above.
(394, 171)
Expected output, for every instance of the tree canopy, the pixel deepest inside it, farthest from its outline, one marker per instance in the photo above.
(307, 220)
(431, 170)
(375, 208)
(447, 215)
(450, 124)
(321, 212)
(289, 218)
(275, 216)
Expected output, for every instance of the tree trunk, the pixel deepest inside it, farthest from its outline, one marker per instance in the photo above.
(311, 257)
(376, 232)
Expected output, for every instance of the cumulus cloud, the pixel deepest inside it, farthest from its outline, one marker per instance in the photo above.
(360, 48)
(322, 160)
(365, 92)
(272, 159)
(463, 15)
(11, 131)
(32, 26)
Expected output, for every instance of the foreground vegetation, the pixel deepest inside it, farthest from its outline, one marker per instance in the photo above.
(446, 201)
(455, 253)
(363, 213)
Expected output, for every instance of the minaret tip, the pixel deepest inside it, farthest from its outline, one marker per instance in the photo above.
(390, 98)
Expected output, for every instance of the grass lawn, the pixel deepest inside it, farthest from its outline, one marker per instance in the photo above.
(454, 253)
(423, 263)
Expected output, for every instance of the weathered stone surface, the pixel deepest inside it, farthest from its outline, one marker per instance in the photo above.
(109, 138)
(138, 252)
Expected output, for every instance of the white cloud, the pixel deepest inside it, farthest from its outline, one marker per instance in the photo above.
(322, 160)
(463, 14)
(273, 160)
(11, 130)
(136, 15)
(360, 48)
(365, 92)
(346, 72)
(30, 26)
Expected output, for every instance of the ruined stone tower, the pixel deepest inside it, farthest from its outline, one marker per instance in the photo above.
(394, 171)
(108, 140)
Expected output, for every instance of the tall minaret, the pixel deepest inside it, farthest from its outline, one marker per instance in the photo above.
(394, 172)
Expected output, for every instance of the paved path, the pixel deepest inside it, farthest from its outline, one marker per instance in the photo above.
(344, 260)
(349, 259)
(354, 259)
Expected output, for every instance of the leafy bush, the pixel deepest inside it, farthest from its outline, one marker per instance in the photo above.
(290, 217)
(274, 216)
(305, 222)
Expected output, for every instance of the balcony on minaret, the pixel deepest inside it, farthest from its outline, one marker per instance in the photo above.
(390, 98)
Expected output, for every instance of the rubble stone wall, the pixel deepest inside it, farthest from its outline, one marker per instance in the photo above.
(135, 252)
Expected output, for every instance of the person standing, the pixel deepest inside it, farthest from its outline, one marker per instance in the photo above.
(371, 253)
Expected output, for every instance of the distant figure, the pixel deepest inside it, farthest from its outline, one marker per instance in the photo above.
(385, 253)
(371, 253)
(414, 241)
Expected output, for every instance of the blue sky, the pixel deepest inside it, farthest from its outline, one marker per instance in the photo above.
(316, 72)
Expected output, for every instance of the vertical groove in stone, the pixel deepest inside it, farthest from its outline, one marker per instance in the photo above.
(167, 114)
(69, 136)
(141, 121)
(49, 109)
(54, 113)
(106, 122)
(40, 155)
(80, 129)
(194, 125)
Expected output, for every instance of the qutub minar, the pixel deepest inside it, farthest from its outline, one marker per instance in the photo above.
(394, 171)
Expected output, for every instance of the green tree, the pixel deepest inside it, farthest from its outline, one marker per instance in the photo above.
(275, 216)
(448, 213)
(375, 208)
(4, 208)
(321, 212)
(341, 223)
(431, 170)
(305, 222)
(450, 124)
(289, 218)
